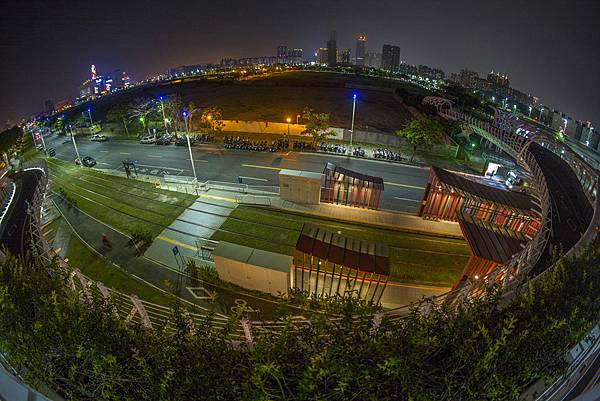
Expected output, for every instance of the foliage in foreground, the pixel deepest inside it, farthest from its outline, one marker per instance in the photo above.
(474, 353)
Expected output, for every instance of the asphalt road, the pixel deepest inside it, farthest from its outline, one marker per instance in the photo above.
(404, 184)
(14, 233)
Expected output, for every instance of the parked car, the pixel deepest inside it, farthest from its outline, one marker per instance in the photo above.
(163, 140)
(99, 138)
(148, 139)
(87, 161)
(182, 141)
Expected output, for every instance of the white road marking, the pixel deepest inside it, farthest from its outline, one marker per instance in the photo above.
(106, 164)
(104, 151)
(124, 153)
(406, 199)
(153, 156)
(253, 178)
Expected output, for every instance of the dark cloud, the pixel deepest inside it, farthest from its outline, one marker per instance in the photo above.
(547, 47)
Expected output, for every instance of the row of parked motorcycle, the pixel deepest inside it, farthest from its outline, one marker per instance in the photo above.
(386, 154)
(243, 143)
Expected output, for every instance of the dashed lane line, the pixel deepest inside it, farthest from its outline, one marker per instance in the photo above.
(254, 178)
(403, 185)
(406, 199)
(263, 167)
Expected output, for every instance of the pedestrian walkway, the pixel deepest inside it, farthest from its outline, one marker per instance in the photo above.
(195, 225)
(124, 254)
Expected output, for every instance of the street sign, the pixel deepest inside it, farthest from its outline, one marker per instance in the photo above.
(51, 152)
(175, 250)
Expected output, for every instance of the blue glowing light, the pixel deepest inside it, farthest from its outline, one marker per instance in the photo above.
(69, 126)
(354, 96)
(184, 113)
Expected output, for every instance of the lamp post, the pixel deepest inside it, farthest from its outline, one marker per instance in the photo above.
(75, 145)
(352, 126)
(297, 119)
(89, 111)
(288, 121)
(187, 136)
(162, 107)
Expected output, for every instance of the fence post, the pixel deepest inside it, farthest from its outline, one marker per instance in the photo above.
(375, 323)
(247, 332)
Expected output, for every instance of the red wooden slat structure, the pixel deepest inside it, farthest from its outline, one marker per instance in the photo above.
(346, 187)
(448, 195)
(327, 263)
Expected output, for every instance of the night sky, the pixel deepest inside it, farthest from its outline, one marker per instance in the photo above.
(550, 48)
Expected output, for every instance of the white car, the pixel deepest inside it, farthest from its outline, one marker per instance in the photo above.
(148, 139)
(99, 138)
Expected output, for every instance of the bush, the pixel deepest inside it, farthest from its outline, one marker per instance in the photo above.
(141, 234)
(478, 351)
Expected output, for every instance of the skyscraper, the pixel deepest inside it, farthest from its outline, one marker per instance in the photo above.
(390, 58)
(322, 55)
(345, 57)
(282, 54)
(361, 41)
(332, 50)
(373, 60)
(294, 56)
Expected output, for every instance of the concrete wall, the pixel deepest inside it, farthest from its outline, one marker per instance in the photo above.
(386, 140)
(300, 187)
(252, 277)
(263, 127)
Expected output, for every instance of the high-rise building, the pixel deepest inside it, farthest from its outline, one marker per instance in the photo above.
(322, 55)
(431, 73)
(361, 41)
(468, 78)
(373, 60)
(498, 80)
(345, 57)
(282, 54)
(294, 56)
(49, 106)
(332, 50)
(390, 58)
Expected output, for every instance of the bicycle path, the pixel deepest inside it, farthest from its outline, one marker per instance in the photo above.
(124, 254)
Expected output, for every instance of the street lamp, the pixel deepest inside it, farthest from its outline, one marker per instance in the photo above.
(297, 118)
(162, 107)
(352, 126)
(75, 145)
(187, 136)
(288, 121)
(89, 111)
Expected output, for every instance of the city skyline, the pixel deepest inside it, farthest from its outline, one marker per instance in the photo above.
(562, 80)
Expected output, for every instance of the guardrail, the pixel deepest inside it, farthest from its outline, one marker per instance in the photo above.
(502, 133)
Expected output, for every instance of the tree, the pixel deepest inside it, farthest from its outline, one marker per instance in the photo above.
(119, 113)
(212, 118)
(317, 124)
(173, 108)
(141, 109)
(421, 131)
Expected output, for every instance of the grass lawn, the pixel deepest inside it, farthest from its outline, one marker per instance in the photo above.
(117, 201)
(96, 268)
(414, 258)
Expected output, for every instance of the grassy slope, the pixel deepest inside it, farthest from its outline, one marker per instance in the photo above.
(117, 201)
(96, 268)
(414, 258)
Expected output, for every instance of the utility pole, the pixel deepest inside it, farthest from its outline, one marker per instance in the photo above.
(352, 126)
